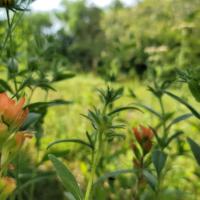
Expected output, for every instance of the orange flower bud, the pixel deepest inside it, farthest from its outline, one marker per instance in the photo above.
(144, 137)
(147, 146)
(12, 113)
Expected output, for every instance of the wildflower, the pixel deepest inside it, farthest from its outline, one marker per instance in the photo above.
(144, 137)
(12, 112)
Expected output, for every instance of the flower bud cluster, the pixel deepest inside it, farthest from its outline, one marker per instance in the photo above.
(143, 144)
(12, 117)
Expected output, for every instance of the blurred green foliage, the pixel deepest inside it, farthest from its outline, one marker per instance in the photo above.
(154, 35)
(152, 38)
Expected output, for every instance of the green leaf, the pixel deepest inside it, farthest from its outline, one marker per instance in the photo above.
(60, 77)
(164, 120)
(194, 111)
(69, 196)
(44, 85)
(159, 159)
(174, 136)
(57, 153)
(194, 87)
(150, 110)
(117, 110)
(132, 93)
(67, 178)
(159, 140)
(179, 119)
(40, 105)
(32, 119)
(195, 149)
(4, 86)
(89, 138)
(151, 179)
(70, 140)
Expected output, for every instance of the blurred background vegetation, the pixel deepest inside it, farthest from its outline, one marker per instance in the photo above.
(117, 40)
(129, 46)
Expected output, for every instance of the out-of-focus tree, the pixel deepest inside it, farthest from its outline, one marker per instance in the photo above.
(153, 34)
(81, 28)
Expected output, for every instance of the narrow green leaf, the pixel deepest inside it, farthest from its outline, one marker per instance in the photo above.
(195, 149)
(194, 87)
(57, 153)
(194, 111)
(122, 109)
(174, 136)
(67, 178)
(94, 117)
(31, 120)
(90, 139)
(70, 140)
(150, 110)
(69, 196)
(159, 159)
(159, 140)
(179, 119)
(5, 86)
(151, 179)
(40, 105)
(44, 85)
(61, 77)
(132, 93)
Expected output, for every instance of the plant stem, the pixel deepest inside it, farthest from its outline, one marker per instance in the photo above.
(95, 160)
(89, 186)
(11, 46)
(163, 117)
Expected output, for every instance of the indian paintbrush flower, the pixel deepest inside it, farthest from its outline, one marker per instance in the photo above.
(12, 112)
(12, 117)
(144, 137)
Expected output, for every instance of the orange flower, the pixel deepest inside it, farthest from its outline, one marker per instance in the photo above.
(12, 112)
(144, 137)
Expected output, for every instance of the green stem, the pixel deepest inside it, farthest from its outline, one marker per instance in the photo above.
(163, 117)
(90, 183)
(34, 174)
(157, 192)
(95, 160)
(11, 45)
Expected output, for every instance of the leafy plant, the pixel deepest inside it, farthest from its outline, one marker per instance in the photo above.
(105, 129)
